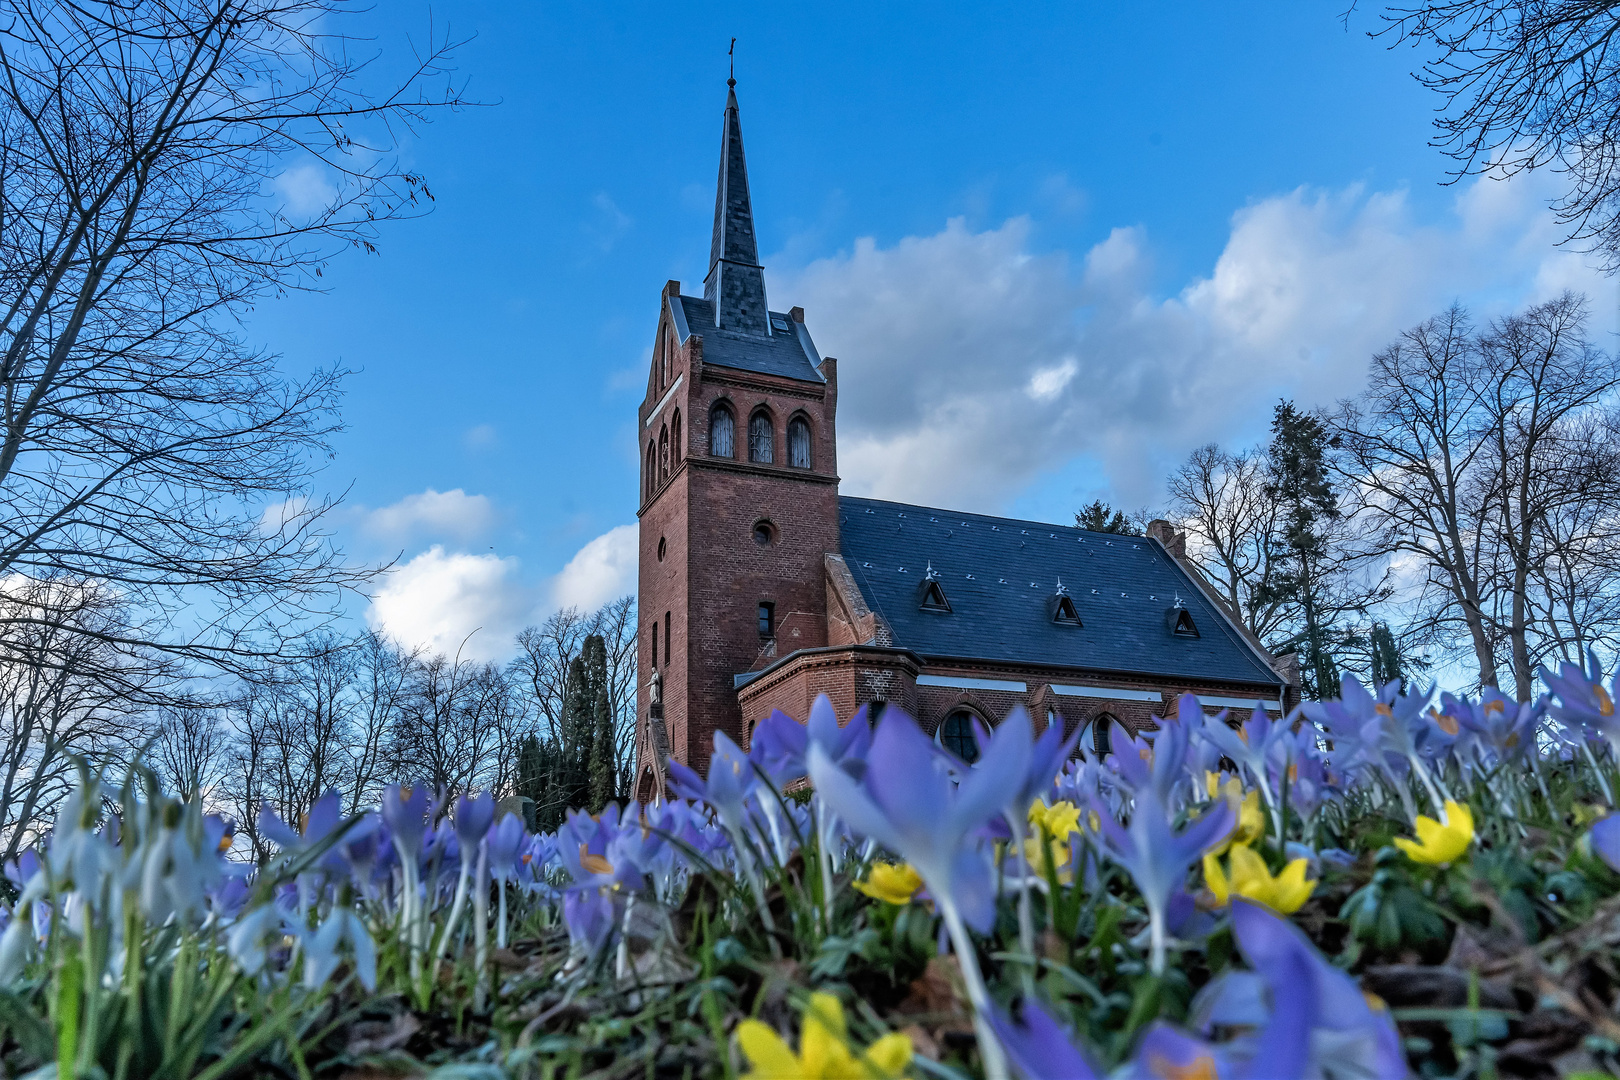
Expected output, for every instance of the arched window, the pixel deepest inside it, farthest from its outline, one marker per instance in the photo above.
(799, 443)
(721, 426)
(956, 735)
(676, 446)
(663, 453)
(1101, 732)
(652, 468)
(761, 440)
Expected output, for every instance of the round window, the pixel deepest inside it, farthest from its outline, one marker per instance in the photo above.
(763, 534)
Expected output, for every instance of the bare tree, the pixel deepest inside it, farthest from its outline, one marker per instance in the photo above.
(190, 751)
(615, 621)
(1574, 591)
(1220, 499)
(1483, 461)
(542, 662)
(383, 678)
(66, 691)
(140, 144)
(1413, 444)
(1544, 375)
(1528, 84)
(459, 727)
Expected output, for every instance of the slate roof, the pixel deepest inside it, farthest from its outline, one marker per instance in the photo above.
(999, 574)
(788, 353)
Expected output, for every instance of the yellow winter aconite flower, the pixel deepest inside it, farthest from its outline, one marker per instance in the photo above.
(893, 883)
(1251, 819)
(1439, 842)
(1057, 821)
(824, 1049)
(1250, 877)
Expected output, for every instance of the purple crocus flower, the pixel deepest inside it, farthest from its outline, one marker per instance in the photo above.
(505, 837)
(731, 780)
(913, 807)
(915, 810)
(1038, 1047)
(472, 820)
(1505, 726)
(589, 917)
(1605, 840)
(1583, 702)
(777, 745)
(1156, 856)
(1311, 1018)
(325, 814)
(405, 809)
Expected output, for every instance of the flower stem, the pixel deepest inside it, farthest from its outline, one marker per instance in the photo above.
(995, 1062)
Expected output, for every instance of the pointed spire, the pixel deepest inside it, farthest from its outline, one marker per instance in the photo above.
(736, 282)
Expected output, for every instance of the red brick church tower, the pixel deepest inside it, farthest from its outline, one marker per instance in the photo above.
(739, 489)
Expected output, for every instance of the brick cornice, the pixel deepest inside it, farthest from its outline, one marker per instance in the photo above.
(828, 656)
(779, 472)
(719, 375)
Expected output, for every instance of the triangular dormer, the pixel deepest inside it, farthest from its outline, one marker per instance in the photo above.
(1180, 620)
(932, 593)
(1061, 607)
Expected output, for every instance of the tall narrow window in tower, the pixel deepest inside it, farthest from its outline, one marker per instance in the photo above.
(767, 619)
(760, 438)
(675, 443)
(655, 644)
(663, 453)
(721, 426)
(652, 468)
(799, 443)
(666, 639)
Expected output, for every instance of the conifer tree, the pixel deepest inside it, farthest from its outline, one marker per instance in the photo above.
(1307, 505)
(573, 764)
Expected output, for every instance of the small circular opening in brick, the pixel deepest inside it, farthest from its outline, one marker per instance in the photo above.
(661, 548)
(764, 533)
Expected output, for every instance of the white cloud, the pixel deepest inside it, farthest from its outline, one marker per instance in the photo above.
(971, 365)
(305, 189)
(602, 570)
(453, 602)
(434, 514)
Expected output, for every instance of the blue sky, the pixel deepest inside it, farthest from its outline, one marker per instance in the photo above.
(1054, 247)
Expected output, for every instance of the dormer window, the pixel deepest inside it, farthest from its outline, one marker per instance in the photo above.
(933, 594)
(779, 323)
(1062, 608)
(1181, 620)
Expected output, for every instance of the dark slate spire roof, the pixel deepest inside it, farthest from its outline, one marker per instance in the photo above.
(1000, 577)
(736, 282)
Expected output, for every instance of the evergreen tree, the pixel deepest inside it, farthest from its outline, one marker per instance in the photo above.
(604, 770)
(1386, 657)
(1300, 486)
(1100, 517)
(574, 753)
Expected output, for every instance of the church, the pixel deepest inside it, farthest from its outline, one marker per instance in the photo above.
(761, 586)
